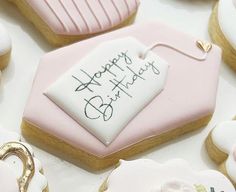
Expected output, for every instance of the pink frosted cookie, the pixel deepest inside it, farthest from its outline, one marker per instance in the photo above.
(176, 175)
(122, 93)
(222, 29)
(221, 146)
(20, 171)
(5, 48)
(66, 21)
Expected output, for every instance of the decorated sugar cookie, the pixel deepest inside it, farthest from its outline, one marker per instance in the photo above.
(119, 94)
(63, 21)
(5, 48)
(145, 175)
(221, 146)
(222, 29)
(20, 171)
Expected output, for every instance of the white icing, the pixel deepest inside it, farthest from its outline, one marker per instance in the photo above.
(142, 88)
(38, 183)
(145, 175)
(227, 18)
(224, 137)
(174, 186)
(5, 40)
(8, 181)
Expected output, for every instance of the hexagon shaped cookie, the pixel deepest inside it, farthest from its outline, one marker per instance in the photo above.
(185, 104)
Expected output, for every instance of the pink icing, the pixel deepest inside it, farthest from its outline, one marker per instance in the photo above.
(77, 17)
(8, 181)
(189, 94)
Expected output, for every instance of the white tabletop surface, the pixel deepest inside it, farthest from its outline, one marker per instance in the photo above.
(190, 16)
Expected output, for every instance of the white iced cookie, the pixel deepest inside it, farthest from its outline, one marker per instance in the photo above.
(226, 18)
(221, 146)
(20, 171)
(175, 186)
(222, 29)
(145, 175)
(5, 48)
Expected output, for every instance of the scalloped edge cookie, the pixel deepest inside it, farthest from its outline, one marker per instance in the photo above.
(220, 149)
(174, 175)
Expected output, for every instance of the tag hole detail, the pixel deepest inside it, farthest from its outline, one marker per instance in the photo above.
(141, 56)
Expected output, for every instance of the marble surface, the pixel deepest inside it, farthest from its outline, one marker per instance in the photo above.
(190, 16)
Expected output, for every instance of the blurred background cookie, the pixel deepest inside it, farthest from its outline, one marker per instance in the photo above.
(19, 169)
(5, 48)
(222, 29)
(63, 21)
(173, 176)
(221, 147)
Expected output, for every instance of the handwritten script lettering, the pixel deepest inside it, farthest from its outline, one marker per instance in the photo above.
(121, 73)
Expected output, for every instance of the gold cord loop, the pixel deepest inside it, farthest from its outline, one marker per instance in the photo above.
(204, 46)
(19, 150)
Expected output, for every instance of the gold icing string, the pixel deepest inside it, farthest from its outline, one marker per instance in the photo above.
(19, 150)
(204, 46)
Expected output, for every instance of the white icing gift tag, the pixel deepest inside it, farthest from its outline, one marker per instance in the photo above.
(109, 86)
